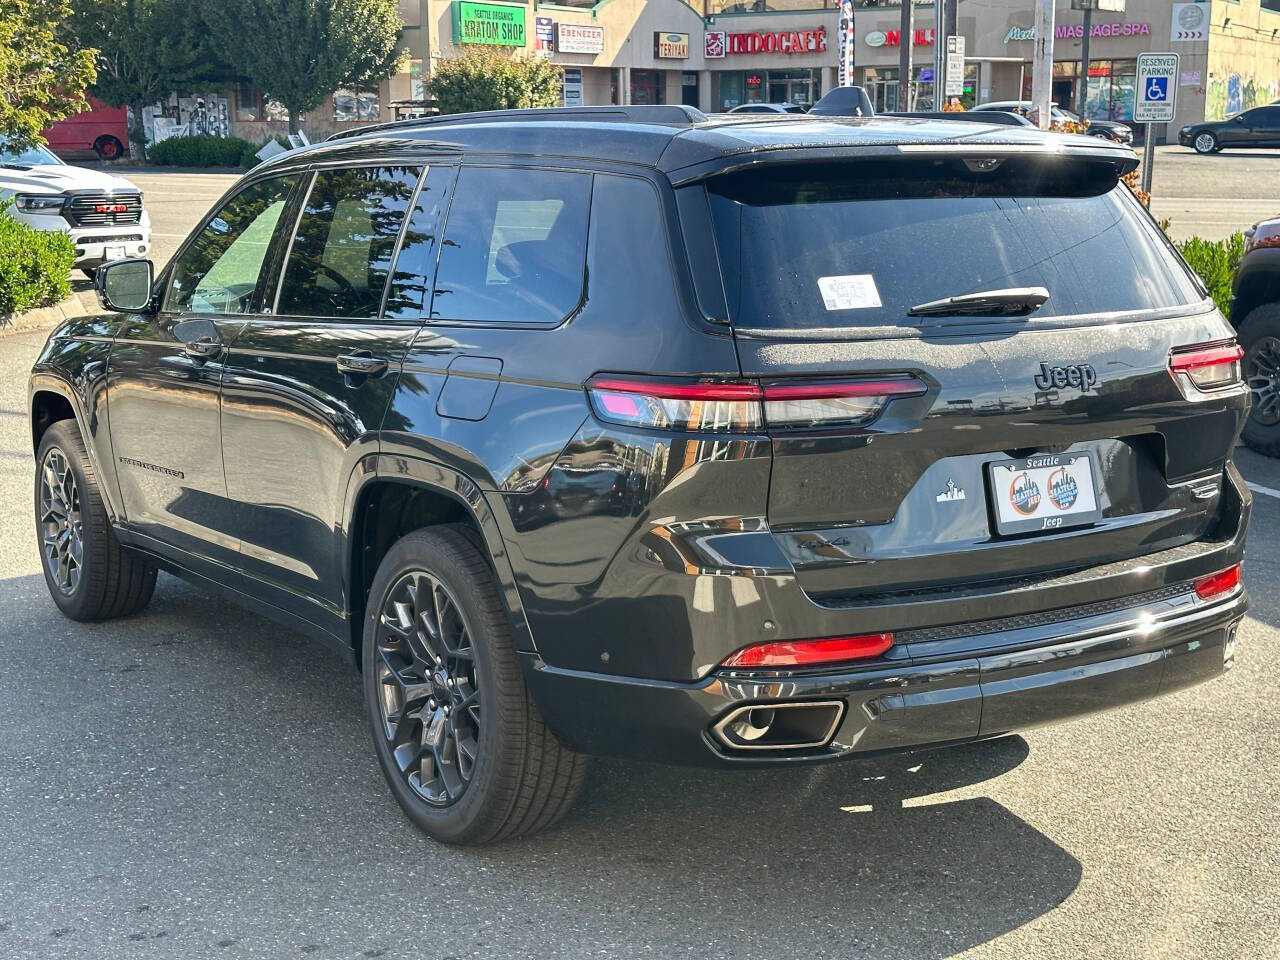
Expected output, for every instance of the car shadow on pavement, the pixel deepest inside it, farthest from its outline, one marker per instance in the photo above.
(209, 775)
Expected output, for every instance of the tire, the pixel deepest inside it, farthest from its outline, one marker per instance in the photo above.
(1259, 335)
(89, 575)
(1205, 143)
(520, 779)
(108, 148)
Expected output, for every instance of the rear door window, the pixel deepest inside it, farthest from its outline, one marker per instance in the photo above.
(341, 253)
(515, 246)
(859, 244)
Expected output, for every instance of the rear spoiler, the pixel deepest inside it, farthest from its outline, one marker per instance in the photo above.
(1121, 159)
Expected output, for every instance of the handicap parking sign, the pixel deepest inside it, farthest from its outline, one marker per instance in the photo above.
(1157, 90)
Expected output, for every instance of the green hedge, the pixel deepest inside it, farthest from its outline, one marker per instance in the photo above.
(35, 266)
(1216, 261)
(204, 150)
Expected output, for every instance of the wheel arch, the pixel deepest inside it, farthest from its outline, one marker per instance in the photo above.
(388, 497)
(48, 405)
(1258, 282)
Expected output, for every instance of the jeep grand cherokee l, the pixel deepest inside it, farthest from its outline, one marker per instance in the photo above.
(631, 431)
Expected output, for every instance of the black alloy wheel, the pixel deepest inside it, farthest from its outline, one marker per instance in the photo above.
(61, 526)
(89, 574)
(1260, 337)
(459, 740)
(430, 695)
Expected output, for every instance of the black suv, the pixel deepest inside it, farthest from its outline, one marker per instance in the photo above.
(630, 431)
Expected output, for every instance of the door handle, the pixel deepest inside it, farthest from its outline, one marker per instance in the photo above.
(361, 363)
(202, 349)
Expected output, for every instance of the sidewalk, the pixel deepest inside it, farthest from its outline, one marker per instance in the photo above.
(83, 300)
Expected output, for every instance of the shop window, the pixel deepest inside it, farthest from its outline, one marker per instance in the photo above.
(252, 106)
(514, 249)
(714, 7)
(341, 254)
(355, 103)
(648, 86)
(410, 12)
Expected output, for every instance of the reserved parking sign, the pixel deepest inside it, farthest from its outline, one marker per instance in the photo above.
(1157, 88)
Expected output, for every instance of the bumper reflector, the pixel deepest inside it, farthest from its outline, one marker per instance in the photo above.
(805, 653)
(1216, 584)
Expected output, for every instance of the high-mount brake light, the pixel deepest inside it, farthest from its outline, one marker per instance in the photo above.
(746, 406)
(1210, 366)
(809, 653)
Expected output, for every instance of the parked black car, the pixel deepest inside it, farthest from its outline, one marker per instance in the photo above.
(767, 108)
(1259, 127)
(1112, 130)
(630, 431)
(1255, 311)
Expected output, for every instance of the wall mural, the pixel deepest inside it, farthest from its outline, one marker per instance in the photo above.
(1229, 93)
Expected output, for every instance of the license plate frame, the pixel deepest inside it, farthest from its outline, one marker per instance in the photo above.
(114, 252)
(1044, 503)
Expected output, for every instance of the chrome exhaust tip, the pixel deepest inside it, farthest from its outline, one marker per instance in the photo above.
(780, 726)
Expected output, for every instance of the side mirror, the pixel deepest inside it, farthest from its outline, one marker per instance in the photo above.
(125, 285)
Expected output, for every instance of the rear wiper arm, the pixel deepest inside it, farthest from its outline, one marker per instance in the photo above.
(1014, 301)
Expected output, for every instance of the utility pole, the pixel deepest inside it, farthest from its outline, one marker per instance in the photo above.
(906, 37)
(939, 54)
(1042, 66)
(1082, 91)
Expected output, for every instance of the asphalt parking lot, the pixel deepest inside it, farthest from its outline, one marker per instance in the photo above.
(197, 782)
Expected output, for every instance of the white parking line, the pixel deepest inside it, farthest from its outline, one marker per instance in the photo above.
(1259, 488)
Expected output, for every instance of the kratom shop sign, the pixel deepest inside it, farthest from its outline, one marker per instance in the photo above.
(1068, 31)
(493, 24)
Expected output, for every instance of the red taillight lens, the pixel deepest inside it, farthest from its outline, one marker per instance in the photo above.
(704, 407)
(1216, 584)
(745, 406)
(1208, 367)
(801, 653)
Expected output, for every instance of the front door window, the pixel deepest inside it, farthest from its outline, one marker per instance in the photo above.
(219, 271)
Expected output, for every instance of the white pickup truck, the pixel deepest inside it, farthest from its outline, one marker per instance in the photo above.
(102, 213)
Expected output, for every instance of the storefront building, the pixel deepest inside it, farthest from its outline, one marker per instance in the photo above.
(717, 54)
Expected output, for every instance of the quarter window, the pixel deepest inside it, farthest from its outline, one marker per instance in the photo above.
(514, 248)
(219, 271)
(410, 287)
(341, 254)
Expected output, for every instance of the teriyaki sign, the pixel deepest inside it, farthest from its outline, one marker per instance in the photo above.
(1068, 31)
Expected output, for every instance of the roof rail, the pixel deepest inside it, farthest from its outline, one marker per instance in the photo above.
(671, 115)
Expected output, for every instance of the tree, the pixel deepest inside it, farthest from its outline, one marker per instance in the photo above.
(489, 80)
(147, 51)
(300, 51)
(41, 80)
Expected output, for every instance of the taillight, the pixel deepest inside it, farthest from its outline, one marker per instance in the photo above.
(807, 653)
(745, 405)
(1216, 584)
(1208, 367)
(704, 407)
(850, 403)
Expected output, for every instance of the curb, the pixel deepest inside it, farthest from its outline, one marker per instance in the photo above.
(46, 318)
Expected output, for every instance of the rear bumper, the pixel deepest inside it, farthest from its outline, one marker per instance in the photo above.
(1004, 681)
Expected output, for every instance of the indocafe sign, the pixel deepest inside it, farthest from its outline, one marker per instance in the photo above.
(783, 41)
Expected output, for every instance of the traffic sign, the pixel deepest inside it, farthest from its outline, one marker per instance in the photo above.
(1157, 88)
(955, 67)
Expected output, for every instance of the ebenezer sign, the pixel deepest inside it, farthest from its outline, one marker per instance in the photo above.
(492, 24)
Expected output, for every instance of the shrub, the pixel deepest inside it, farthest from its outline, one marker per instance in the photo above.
(35, 266)
(1216, 261)
(201, 150)
(489, 80)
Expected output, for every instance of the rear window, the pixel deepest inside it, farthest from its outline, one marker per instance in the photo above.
(819, 246)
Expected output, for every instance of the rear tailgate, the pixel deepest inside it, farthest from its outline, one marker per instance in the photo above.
(1054, 439)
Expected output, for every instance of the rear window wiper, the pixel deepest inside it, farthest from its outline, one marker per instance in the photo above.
(1015, 301)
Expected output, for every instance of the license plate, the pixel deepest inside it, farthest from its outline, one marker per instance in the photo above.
(113, 253)
(1045, 492)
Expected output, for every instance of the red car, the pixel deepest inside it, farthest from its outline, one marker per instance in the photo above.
(100, 130)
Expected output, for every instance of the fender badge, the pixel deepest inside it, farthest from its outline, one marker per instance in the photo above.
(951, 493)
